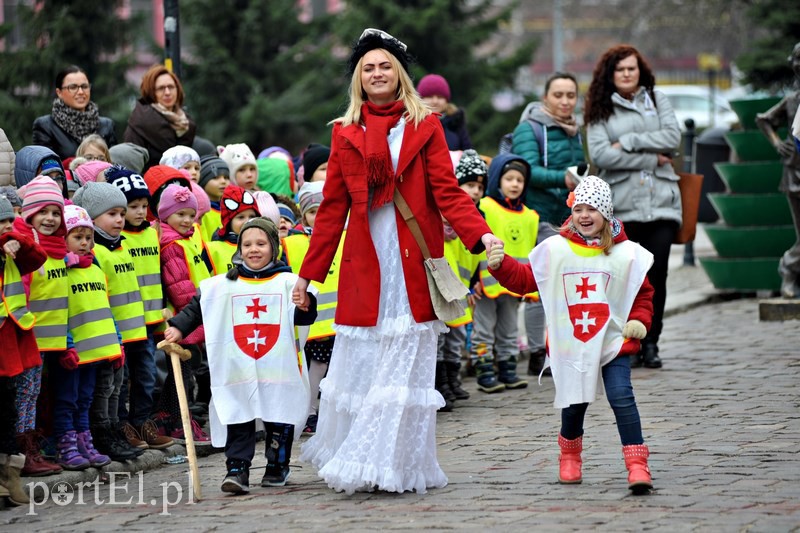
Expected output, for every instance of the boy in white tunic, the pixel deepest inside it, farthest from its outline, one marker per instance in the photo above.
(255, 366)
(598, 302)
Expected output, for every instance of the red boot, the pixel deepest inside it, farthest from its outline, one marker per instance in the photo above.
(35, 464)
(639, 481)
(569, 463)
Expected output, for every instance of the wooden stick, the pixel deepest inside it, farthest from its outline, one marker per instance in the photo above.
(175, 357)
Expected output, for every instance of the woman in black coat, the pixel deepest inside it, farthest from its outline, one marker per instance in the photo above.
(73, 117)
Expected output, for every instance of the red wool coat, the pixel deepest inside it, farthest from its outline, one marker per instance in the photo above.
(427, 182)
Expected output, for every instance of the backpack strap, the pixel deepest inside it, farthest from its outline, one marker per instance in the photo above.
(539, 131)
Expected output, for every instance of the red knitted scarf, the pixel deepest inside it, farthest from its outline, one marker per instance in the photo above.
(378, 120)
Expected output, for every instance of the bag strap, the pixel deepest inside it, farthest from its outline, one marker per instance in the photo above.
(411, 222)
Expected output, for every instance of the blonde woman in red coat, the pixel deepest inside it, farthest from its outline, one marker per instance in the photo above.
(377, 419)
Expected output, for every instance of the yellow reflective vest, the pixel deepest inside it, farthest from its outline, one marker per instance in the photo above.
(48, 303)
(517, 230)
(296, 247)
(220, 253)
(15, 304)
(145, 251)
(198, 271)
(464, 264)
(210, 224)
(123, 292)
(91, 321)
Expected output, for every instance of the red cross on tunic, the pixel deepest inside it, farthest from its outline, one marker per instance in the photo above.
(256, 308)
(584, 287)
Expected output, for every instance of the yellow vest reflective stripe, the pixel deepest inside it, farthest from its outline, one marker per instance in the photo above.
(221, 255)
(123, 292)
(296, 247)
(146, 254)
(463, 264)
(517, 230)
(90, 319)
(48, 303)
(197, 236)
(210, 224)
(198, 271)
(15, 304)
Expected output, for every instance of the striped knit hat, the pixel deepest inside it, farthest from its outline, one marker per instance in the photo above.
(40, 192)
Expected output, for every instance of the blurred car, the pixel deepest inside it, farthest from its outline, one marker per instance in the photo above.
(694, 101)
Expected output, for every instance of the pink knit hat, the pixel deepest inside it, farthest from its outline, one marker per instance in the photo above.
(434, 85)
(267, 206)
(203, 201)
(173, 199)
(37, 194)
(77, 217)
(90, 170)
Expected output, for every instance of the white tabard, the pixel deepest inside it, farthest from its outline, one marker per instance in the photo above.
(257, 368)
(587, 297)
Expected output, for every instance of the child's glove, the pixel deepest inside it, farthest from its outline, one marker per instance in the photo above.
(72, 259)
(69, 359)
(116, 364)
(495, 256)
(634, 330)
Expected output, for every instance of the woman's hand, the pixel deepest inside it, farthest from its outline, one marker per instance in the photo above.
(489, 240)
(300, 294)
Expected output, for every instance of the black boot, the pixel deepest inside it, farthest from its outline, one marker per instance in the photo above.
(108, 442)
(487, 381)
(536, 362)
(453, 371)
(443, 387)
(237, 480)
(279, 452)
(650, 358)
(507, 374)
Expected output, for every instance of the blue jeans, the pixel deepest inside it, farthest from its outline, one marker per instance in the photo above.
(140, 368)
(74, 392)
(617, 381)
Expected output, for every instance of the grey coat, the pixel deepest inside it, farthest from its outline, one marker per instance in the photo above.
(642, 191)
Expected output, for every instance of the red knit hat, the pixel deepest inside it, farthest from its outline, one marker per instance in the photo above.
(234, 200)
(434, 85)
(157, 179)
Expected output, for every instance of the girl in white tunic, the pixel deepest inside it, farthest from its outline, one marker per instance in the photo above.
(256, 369)
(598, 303)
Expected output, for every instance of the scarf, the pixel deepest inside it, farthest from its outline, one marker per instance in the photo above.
(570, 125)
(178, 120)
(55, 246)
(78, 124)
(378, 120)
(170, 234)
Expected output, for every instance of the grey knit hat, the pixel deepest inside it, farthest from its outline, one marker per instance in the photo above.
(129, 155)
(99, 197)
(265, 225)
(211, 167)
(6, 209)
(9, 192)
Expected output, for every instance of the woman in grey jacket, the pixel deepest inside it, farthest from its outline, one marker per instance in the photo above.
(631, 133)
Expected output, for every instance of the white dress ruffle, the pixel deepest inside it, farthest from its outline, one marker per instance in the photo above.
(377, 415)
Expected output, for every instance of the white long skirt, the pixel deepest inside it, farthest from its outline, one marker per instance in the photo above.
(377, 415)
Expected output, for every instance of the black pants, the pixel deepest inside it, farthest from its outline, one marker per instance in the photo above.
(656, 237)
(240, 444)
(8, 416)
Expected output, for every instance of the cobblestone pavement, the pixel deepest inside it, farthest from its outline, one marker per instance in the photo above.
(721, 419)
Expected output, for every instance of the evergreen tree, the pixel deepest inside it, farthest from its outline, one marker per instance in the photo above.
(256, 74)
(56, 34)
(443, 36)
(765, 63)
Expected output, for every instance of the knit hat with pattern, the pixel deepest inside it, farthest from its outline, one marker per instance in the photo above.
(177, 156)
(235, 200)
(310, 195)
(173, 199)
(212, 166)
(129, 182)
(40, 192)
(471, 168)
(76, 217)
(236, 156)
(595, 192)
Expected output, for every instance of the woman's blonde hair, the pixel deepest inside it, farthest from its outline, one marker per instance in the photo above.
(93, 140)
(416, 110)
(606, 235)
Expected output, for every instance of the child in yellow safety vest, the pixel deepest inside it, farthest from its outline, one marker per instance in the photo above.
(19, 255)
(251, 326)
(237, 207)
(92, 338)
(182, 270)
(494, 326)
(321, 337)
(42, 220)
(471, 174)
(106, 206)
(214, 178)
(140, 239)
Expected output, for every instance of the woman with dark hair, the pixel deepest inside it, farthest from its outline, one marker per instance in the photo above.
(632, 133)
(377, 416)
(73, 117)
(159, 122)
